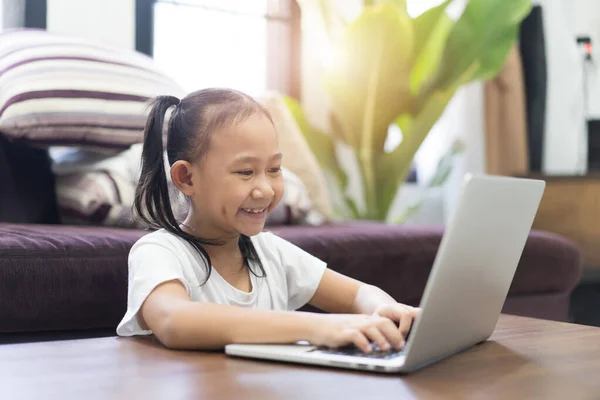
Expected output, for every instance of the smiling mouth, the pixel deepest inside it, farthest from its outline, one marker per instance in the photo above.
(254, 210)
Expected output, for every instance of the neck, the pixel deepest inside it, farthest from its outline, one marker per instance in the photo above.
(230, 240)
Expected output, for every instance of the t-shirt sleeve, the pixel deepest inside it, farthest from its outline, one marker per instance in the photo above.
(303, 272)
(150, 264)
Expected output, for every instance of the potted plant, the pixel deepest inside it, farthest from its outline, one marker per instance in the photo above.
(386, 68)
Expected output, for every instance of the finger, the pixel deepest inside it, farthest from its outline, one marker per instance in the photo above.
(405, 324)
(395, 312)
(391, 333)
(359, 340)
(376, 336)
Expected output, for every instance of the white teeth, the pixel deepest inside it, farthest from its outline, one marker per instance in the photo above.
(254, 211)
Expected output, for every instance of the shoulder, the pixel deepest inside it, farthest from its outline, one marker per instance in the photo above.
(161, 238)
(159, 242)
(162, 254)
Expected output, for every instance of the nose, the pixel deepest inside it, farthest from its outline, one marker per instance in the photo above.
(263, 189)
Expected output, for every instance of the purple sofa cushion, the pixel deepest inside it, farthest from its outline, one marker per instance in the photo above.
(65, 278)
(62, 277)
(398, 258)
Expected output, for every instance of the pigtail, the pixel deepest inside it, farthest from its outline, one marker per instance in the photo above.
(152, 193)
(152, 203)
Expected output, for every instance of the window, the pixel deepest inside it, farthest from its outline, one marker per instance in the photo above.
(240, 44)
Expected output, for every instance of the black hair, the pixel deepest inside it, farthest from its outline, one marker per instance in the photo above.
(188, 138)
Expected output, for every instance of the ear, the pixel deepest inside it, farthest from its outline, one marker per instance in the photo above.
(181, 175)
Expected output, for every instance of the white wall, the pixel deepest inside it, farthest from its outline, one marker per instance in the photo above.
(567, 105)
(110, 21)
(586, 21)
(564, 133)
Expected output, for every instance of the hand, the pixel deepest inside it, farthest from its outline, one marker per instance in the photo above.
(335, 330)
(401, 314)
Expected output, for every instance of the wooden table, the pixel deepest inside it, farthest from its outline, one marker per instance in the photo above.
(524, 359)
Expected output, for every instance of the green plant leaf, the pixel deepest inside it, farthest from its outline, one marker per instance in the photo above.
(410, 210)
(368, 83)
(442, 172)
(368, 78)
(393, 167)
(399, 3)
(404, 122)
(480, 36)
(426, 24)
(321, 144)
(351, 204)
(444, 165)
(492, 61)
(430, 56)
(387, 67)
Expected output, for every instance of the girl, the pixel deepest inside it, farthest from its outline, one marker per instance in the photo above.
(216, 278)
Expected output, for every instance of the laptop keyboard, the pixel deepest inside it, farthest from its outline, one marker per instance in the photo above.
(356, 352)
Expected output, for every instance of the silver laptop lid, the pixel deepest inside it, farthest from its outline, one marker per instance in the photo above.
(474, 266)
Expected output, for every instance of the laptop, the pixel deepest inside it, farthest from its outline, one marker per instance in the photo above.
(466, 289)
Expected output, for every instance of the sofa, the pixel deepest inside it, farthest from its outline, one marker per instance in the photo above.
(60, 281)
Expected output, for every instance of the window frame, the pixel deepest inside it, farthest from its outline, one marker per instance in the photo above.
(36, 13)
(144, 26)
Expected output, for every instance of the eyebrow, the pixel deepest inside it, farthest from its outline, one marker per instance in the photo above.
(244, 159)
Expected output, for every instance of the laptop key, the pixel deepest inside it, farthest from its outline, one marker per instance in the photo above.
(356, 352)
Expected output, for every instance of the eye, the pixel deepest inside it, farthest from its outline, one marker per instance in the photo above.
(275, 170)
(246, 172)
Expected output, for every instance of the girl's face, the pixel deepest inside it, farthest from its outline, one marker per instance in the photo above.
(239, 181)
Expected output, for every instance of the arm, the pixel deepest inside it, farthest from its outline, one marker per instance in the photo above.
(182, 324)
(340, 294)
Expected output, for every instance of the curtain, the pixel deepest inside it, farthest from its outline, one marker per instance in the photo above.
(506, 121)
(533, 55)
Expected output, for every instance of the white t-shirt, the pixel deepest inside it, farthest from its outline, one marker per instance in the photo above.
(292, 276)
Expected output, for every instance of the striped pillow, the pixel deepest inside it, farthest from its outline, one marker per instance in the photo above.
(62, 90)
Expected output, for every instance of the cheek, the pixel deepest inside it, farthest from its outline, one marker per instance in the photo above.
(278, 188)
(233, 192)
(209, 194)
(200, 188)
